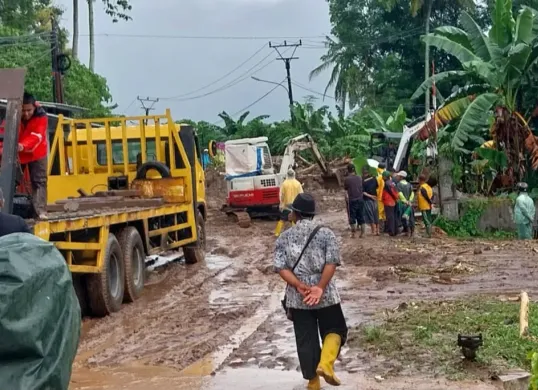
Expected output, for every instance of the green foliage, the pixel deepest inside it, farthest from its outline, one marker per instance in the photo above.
(377, 53)
(82, 87)
(395, 122)
(336, 136)
(471, 212)
(533, 357)
(117, 9)
(424, 336)
(467, 225)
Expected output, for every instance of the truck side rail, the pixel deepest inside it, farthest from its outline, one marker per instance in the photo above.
(65, 172)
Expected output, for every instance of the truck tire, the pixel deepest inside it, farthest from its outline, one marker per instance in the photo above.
(134, 263)
(79, 284)
(105, 290)
(163, 170)
(195, 253)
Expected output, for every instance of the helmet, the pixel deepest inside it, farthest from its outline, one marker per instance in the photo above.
(522, 186)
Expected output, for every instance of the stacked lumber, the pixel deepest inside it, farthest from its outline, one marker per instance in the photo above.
(116, 199)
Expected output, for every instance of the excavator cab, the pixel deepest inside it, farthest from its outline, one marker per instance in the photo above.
(384, 146)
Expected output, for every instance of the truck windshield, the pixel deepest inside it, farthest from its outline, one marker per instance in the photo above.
(117, 151)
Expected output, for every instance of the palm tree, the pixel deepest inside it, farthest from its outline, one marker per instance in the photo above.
(75, 29)
(344, 75)
(501, 61)
(415, 6)
(91, 34)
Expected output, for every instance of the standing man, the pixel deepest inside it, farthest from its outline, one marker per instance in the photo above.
(355, 201)
(389, 154)
(425, 203)
(311, 294)
(33, 150)
(407, 196)
(524, 213)
(290, 188)
(390, 197)
(369, 189)
(11, 223)
(380, 186)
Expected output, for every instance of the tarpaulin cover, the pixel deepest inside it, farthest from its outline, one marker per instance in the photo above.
(243, 160)
(39, 315)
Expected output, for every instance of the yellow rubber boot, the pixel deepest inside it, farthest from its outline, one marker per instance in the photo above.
(278, 228)
(314, 384)
(329, 353)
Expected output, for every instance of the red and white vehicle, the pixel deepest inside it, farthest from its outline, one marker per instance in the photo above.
(252, 182)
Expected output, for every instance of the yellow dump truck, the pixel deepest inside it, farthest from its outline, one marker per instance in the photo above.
(126, 208)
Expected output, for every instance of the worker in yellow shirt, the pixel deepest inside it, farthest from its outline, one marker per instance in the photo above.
(380, 205)
(290, 188)
(425, 203)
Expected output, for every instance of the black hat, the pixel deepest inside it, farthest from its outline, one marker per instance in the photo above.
(304, 204)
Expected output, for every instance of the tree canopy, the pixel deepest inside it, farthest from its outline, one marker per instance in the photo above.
(25, 42)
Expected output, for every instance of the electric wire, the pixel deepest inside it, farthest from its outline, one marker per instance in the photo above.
(237, 38)
(254, 102)
(220, 78)
(47, 53)
(246, 75)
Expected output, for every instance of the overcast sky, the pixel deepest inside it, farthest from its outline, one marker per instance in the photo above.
(168, 67)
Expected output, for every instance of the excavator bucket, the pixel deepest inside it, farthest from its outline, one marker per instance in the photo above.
(331, 180)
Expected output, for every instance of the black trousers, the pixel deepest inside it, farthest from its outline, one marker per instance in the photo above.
(309, 325)
(391, 222)
(356, 212)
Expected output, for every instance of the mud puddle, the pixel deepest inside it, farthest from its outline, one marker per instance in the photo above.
(263, 379)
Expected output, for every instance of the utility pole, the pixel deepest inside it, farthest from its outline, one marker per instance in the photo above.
(57, 69)
(287, 62)
(145, 107)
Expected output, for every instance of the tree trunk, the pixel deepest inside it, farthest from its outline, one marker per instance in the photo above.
(427, 16)
(75, 29)
(91, 33)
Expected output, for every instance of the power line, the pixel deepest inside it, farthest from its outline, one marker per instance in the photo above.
(41, 57)
(254, 102)
(18, 38)
(130, 105)
(248, 38)
(220, 78)
(251, 71)
(311, 90)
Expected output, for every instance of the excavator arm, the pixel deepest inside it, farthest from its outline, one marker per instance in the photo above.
(298, 144)
(403, 147)
(306, 142)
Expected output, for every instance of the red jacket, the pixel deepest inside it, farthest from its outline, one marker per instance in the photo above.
(390, 194)
(32, 137)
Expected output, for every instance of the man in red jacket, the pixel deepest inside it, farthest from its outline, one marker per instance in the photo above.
(33, 150)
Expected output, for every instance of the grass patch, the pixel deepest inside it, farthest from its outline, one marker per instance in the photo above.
(424, 336)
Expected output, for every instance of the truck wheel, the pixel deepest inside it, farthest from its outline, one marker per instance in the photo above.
(80, 288)
(134, 261)
(196, 253)
(105, 290)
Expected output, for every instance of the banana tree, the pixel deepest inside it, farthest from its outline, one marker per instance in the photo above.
(394, 123)
(494, 67)
(234, 128)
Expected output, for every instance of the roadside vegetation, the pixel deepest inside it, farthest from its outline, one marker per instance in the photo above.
(424, 335)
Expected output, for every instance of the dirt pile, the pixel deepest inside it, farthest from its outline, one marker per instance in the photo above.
(216, 189)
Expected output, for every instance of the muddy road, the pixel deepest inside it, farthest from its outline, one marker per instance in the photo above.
(219, 325)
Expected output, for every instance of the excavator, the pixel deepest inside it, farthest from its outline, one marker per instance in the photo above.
(253, 185)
